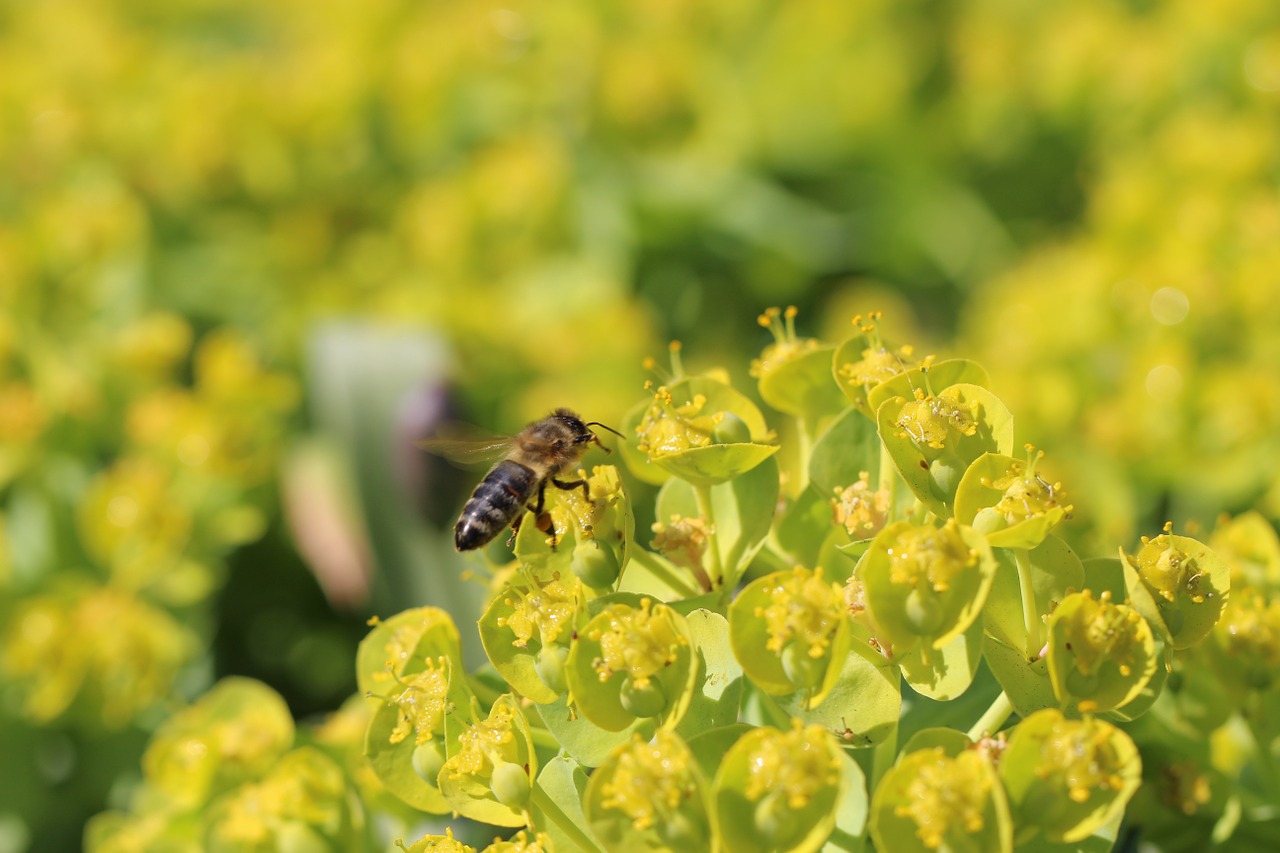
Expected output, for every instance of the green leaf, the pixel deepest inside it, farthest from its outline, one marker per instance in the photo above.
(951, 741)
(715, 463)
(850, 833)
(846, 448)
(803, 526)
(862, 706)
(944, 674)
(564, 781)
(1054, 570)
(1026, 683)
(583, 740)
(719, 684)
(1104, 574)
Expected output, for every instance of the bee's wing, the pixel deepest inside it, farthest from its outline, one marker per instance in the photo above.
(468, 449)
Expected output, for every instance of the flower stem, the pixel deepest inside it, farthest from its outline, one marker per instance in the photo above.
(887, 480)
(702, 494)
(805, 444)
(882, 758)
(1030, 613)
(993, 718)
(566, 824)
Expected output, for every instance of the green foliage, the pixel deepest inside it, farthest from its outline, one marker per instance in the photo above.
(705, 699)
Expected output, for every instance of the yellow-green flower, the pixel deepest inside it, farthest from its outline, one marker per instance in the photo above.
(489, 777)
(1178, 584)
(632, 663)
(922, 583)
(1101, 654)
(776, 790)
(638, 642)
(937, 421)
(1068, 777)
(947, 796)
(421, 702)
(649, 792)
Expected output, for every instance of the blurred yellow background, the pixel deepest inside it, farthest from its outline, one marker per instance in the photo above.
(249, 247)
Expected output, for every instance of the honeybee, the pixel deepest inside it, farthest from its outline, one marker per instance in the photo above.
(536, 456)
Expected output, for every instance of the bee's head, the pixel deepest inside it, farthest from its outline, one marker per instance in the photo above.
(581, 430)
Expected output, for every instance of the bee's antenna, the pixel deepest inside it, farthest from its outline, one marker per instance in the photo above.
(609, 428)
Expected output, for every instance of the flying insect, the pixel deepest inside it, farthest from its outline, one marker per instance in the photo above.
(536, 456)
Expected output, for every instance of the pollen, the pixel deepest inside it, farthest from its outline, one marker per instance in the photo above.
(1167, 569)
(683, 541)
(1082, 755)
(793, 766)
(638, 642)
(861, 510)
(803, 607)
(651, 781)
(421, 703)
(930, 558)
(937, 420)
(542, 613)
(947, 797)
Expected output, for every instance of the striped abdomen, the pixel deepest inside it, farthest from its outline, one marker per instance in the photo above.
(497, 501)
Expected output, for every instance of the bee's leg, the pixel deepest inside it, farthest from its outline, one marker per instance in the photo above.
(541, 518)
(573, 484)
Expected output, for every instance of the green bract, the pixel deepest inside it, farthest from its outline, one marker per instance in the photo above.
(775, 791)
(414, 730)
(403, 641)
(924, 585)
(1068, 777)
